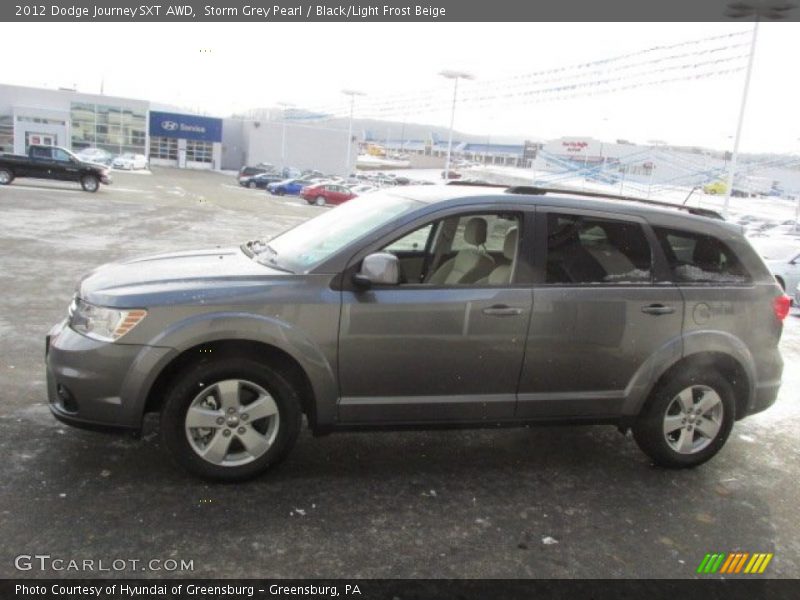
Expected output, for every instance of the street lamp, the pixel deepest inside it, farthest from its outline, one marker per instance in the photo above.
(758, 9)
(284, 106)
(455, 76)
(352, 94)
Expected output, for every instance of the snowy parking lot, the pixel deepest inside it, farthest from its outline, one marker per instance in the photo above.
(538, 502)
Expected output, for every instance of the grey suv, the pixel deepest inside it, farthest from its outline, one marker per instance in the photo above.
(431, 306)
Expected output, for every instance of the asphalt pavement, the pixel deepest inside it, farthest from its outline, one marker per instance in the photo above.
(535, 502)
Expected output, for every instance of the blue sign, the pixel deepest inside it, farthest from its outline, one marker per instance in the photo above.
(189, 127)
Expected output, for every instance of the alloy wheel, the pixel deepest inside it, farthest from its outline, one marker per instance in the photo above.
(693, 419)
(232, 422)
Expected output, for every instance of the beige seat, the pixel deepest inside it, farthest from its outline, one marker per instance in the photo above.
(501, 274)
(470, 264)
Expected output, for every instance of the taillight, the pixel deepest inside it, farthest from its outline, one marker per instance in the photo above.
(781, 306)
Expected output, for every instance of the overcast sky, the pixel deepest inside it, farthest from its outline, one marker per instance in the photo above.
(227, 67)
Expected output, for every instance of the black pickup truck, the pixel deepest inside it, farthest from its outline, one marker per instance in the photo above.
(52, 162)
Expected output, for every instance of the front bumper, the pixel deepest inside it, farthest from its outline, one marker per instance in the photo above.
(107, 179)
(95, 384)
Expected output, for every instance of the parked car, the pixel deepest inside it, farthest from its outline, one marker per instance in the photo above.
(95, 155)
(130, 161)
(251, 171)
(782, 257)
(788, 228)
(715, 188)
(53, 162)
(287, 187)
(362, 188)
(326, 193)
(260, 181)
(436, 306)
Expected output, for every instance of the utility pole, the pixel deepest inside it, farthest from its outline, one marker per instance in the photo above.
(455, 76)
(737, 139)
(352, 94)
(284, 106)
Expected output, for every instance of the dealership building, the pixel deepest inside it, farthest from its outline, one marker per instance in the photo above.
(77, 120)
(185, 141)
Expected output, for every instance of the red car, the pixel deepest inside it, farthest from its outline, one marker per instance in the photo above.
(326, 193)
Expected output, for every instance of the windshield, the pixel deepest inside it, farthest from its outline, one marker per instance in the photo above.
(311, 243)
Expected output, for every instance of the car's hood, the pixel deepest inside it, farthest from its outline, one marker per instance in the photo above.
(199, 276)
(94, 165)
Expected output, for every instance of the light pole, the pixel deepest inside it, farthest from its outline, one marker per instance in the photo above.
(758, 9)
(284, 106)
(455, 76)
(352, 94)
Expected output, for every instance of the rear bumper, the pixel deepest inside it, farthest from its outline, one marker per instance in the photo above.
(765, 396)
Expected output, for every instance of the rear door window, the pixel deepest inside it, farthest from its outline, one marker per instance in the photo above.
(698, 258)
(590, 250)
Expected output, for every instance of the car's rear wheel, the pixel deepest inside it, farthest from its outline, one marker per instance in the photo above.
(230, 419)
(688, 419)
(6, 176)
(90, 183)
(319, 201)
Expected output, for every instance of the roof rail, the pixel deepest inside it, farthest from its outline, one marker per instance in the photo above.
(540, 191)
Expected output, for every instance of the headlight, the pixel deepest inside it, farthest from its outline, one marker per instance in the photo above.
(100, 323)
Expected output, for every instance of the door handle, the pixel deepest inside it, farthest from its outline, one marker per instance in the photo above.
(502, 310)
(658, 309)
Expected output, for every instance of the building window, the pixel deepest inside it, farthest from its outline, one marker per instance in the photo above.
(43, 121)
(113, 128)
(197, 151)
(6, 134)
(164, 148)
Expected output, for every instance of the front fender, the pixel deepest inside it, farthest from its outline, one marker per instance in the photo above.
(221, 326)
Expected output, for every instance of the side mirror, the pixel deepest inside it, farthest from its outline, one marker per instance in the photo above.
(380, 268)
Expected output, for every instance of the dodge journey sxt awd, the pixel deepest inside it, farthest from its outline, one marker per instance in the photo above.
(431, 306)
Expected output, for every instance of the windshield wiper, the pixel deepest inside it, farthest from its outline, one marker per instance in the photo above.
(255, 248)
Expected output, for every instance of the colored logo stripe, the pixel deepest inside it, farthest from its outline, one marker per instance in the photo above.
(734, 562)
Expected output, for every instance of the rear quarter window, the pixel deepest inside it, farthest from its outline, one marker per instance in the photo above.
(698, 258)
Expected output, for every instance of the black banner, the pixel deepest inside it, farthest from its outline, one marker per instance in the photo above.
(393, 10)
(379, 589)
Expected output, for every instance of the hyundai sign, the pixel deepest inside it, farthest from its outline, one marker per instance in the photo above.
(189, 127)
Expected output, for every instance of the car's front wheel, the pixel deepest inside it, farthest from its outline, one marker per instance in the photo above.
(230, 419)
(688, 419)
(319, 201)
(252, 185)
(90, 183)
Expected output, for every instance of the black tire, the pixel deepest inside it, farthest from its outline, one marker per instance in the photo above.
(193, 380)
(90, 183)
(6, 176)
(252, 185)
(280, 192)
(648, 431)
